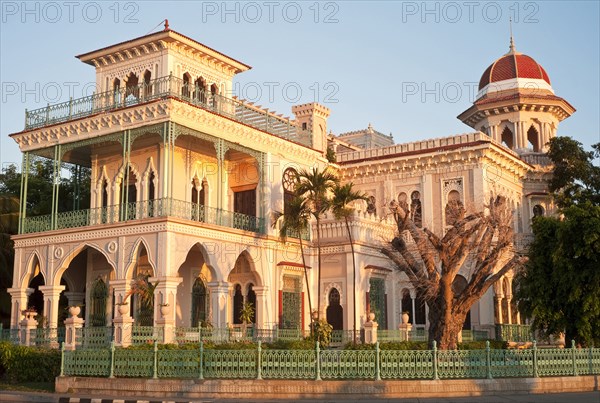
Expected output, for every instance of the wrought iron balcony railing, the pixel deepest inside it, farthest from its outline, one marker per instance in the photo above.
(168, 87)
(144, 209)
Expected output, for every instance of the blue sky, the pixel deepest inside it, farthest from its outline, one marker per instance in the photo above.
(408, 68)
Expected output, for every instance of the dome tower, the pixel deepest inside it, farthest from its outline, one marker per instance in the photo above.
(516, 105)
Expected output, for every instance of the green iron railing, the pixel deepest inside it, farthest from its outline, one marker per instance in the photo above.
(260, 363)
(518, 333)
(168, 87)
(145, 209)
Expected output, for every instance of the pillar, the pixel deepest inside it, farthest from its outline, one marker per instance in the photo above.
(55, 184)
(19, 297)
(219, 298)
(499, 308)
(165, 305)
(51, 296)
(75, 298)
(261, 299)
(509, 310)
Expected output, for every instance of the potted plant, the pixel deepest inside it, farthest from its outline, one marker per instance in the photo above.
(405, 317)
(246, 316)
(29, 313)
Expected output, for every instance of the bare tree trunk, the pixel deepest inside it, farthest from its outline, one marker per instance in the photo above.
(445, 326)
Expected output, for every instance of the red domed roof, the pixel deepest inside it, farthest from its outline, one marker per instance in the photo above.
(513, 65)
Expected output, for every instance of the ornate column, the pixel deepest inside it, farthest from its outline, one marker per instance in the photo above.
(499, 308)
(165, 304)
(219, 297)
(509, 310)
(56, 166)
(23, 199)
(51, 297)
(19, 298)
(261, 298)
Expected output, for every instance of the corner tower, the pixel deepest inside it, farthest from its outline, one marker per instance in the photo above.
(516, 104)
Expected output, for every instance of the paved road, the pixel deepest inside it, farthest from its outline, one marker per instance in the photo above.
(587, 397)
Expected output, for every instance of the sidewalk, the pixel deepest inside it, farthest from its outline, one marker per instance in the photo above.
(28, 397)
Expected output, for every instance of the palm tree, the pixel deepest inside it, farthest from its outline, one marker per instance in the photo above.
(315, 187)
(343, 195)
(294, 221)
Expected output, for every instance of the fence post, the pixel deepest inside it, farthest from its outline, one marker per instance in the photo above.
(62, 358)
(435, 363)
(488, 360)
(318, 378)
(377, 362)
(259, 362)
(155, 366)
(574, 358)
(112, 360)
(535, 364)
(201, 375)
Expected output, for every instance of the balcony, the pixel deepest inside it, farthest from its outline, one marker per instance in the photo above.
(141, 210)
(163, 88)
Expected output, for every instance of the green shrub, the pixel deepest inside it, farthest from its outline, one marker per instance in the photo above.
(480, 345)
(27, 364)
(306, 344)
(391, 345)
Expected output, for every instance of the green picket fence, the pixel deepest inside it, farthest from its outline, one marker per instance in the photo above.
(318, 364)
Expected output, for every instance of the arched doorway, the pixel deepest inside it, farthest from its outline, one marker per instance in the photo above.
(244, 278)
(194, 292)
(335, 312)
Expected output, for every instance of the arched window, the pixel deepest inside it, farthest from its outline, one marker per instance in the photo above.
(238, 303)
(147, 86)
(415, 208)
(186, 88)
(199, 303)
(454, 208)
(288, 182)
(214, 92)
(151, 194)
(371, 205)
(403, 201)
(116, 91)
(538, 211)
(335, 312)
(99, 297)
(532, 138)
(506, 138)
(200, 90)
(377, 301)
(132, 91)
(129, 193)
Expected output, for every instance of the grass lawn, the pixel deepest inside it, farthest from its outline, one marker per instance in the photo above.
(28, 386)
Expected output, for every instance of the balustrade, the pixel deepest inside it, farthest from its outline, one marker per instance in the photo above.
(162, 88)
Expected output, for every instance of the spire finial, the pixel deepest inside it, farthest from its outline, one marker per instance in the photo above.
(512, 42)
(166, 25)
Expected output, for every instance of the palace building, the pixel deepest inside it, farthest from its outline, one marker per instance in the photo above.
(185, 180)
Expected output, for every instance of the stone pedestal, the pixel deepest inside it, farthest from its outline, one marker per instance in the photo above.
(28, 324)
(370, 332)
(72, 324)
(405, 329)
(123, 329)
